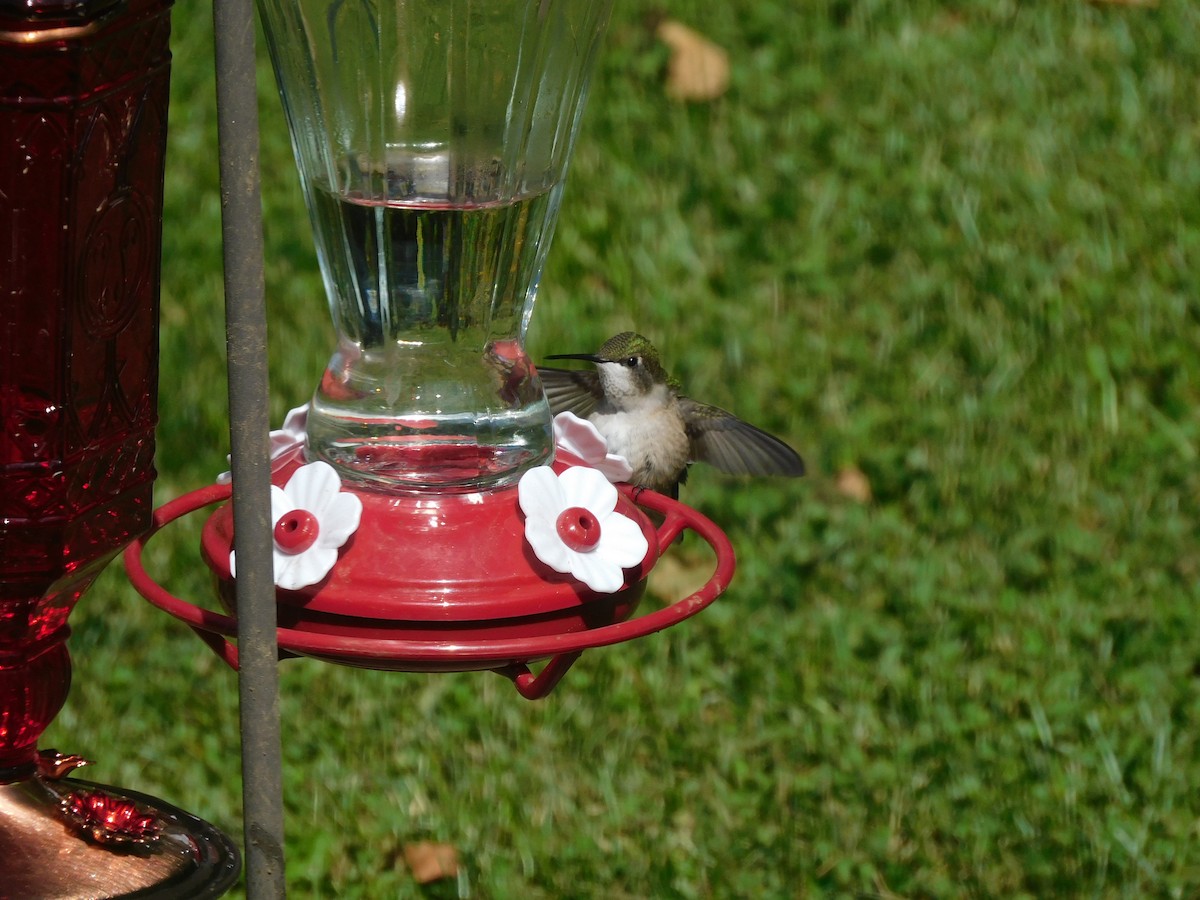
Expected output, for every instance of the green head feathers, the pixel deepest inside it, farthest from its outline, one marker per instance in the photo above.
(629, 345)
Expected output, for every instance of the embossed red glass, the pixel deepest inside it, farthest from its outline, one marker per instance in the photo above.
(83, 118)
(83, 103)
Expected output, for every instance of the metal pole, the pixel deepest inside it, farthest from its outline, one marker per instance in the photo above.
(246, 338)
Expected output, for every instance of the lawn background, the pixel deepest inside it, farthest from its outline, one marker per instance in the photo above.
(950, 247)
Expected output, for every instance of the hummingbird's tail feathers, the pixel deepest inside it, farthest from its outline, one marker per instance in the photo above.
(721, 439)
(571, 390)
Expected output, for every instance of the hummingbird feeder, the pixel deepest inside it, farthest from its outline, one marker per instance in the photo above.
(432, 145)
(423, 519)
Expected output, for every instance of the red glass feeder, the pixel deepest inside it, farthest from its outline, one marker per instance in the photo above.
(83, 114)
(444, 583)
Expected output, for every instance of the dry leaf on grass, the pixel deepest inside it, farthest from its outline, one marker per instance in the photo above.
(698, 68)
(674, 578)
(853, 483)
(431, 862)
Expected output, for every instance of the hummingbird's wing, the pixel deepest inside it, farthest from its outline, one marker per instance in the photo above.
(721, 439)
(571, 390)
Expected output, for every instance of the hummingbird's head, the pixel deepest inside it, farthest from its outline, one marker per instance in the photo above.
(629, 367)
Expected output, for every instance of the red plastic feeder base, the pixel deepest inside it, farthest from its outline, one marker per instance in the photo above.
(443, 583)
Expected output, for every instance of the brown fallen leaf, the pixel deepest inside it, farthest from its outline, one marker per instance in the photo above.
(853, 483)
(429, 861)
(674, 578)
(698, 69)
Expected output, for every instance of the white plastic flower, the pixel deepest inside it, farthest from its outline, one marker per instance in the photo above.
(313, 518)
(572, 525)
(580, 438)
(282, 440)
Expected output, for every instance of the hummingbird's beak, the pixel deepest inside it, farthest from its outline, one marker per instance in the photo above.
(589, 357)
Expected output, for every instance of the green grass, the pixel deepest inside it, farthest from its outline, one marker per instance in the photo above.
(954, 246)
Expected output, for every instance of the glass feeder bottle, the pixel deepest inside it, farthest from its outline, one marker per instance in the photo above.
(432, 141)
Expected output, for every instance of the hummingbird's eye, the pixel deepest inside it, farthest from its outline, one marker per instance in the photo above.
(633, 362)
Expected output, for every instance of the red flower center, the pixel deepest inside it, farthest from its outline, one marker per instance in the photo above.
(296, 531)
(578, 528)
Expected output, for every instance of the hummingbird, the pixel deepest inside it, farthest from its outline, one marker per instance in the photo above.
(639, 410)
